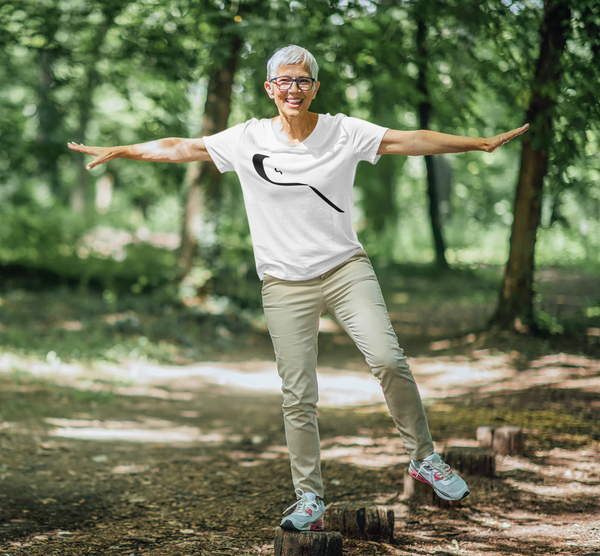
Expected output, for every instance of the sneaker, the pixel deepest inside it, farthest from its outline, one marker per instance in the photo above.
(434, 471)
(308, 515)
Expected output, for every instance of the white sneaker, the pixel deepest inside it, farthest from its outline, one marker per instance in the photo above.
(434, 471)
(308, 515)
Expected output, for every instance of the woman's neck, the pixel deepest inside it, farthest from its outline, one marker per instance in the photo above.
(294, 130)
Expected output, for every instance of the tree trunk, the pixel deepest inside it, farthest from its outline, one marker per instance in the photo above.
(471, 461)
(364, 521)
(515, 307)
(80, 194)
(432, 186)
(485, 436)
(419, 493)
(307, 543)
(50, 122)
(203, 177)
(509, 441)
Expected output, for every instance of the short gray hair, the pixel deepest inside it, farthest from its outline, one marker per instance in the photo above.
(292, 55)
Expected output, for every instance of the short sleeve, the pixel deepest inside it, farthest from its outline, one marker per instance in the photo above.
(365, 138)
(223, 147)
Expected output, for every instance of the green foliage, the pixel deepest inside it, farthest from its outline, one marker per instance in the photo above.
(53, 242)
(125, 72)
(59, 324)
(541, 425)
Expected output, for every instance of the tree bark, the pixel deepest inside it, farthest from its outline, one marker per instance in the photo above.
(485, 436)
(307, 543)
(420, 493)
(203, 178)
(364, 521)
(80, 194)
(515, 307)
(50, 121)
(432, 186)
(509, 441)
(471, 461)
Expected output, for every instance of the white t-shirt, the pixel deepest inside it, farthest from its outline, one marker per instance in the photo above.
(298, 197)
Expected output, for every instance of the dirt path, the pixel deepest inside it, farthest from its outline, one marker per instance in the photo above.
(147, 459)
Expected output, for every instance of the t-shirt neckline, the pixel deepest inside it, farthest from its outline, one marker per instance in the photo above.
(296, 145)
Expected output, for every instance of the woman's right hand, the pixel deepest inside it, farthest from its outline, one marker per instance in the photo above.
(100, 154)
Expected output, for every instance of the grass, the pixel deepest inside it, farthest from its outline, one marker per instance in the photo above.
(26, 396)
(71, 323)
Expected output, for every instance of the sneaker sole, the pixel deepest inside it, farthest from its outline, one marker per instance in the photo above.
(443, 496)
(287, 524)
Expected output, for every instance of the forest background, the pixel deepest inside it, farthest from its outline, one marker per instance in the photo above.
(120, 72)
(139, 400)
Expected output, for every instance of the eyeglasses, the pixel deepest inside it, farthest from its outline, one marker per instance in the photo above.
(285, 83)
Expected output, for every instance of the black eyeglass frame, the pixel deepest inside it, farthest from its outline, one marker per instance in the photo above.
(312, 79)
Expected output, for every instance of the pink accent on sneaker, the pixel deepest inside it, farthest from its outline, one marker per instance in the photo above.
(438, 476)
(308, 511)
(318, 526)
(415, 475)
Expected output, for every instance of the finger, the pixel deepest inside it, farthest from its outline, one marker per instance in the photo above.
(519, 130)
(506, 137)
(80, 148)
(93, 164)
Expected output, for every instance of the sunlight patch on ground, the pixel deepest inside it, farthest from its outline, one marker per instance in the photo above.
(563, 475)
(437, 377)
(522, 527)
(336, 388)
(442, 377)
(365, 452)
(136, 378)
(556, 491)
(149, 430)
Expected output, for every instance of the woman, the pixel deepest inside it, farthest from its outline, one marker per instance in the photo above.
(297, 172)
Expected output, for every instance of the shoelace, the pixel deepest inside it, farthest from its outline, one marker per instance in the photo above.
(439, 465)
(303, 503)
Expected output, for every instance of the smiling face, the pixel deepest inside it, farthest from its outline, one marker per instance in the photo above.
(294, 102)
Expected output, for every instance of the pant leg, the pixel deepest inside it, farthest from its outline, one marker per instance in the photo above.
(353, 298)
(292, 311)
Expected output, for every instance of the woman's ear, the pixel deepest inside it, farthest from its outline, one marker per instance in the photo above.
(269, 89)
(317, 85)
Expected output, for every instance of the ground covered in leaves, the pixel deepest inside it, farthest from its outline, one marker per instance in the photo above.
(130, 455)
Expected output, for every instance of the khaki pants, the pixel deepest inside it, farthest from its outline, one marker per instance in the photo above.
(351, 295)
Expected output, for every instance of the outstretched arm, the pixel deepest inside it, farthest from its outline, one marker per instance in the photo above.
(425, 142)
(174, 149)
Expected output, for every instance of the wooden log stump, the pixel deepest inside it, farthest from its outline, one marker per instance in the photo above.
(361, 520)
(307, 543)
(485, 436)
(471, 461)
(422, 494)
(508, 441)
